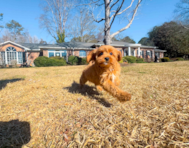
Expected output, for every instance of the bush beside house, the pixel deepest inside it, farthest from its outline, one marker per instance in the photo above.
(53, 61)
(139, 60)
(74, 60)
(165, 59)
(130, 59)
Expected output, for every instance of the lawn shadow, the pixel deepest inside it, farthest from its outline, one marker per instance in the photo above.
(3, 83)
(88, 91)
(14, 134)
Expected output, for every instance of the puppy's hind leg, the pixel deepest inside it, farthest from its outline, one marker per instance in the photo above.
(83, 80)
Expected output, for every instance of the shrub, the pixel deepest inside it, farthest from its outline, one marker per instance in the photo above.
(179, 59)
(74, 60)
(84, 61)
(165, 59)
(45, 61)
(121, 61)
(130, 59)
(140, 60)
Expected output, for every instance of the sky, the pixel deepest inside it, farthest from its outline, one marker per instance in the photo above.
(151, 13)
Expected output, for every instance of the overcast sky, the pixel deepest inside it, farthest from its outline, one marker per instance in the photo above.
(150, 14)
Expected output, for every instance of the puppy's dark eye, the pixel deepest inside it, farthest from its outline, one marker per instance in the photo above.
(111, 53)
(100, 54)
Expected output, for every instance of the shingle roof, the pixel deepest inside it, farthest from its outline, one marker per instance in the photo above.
(80, 45)
(34, 46)
(159, 50)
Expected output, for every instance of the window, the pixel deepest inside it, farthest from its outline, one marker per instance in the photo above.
(125, 52)
(64, 55)
(82, 53)
(20, 57)
(2, 58)
(148, 53)
(11, 55)
(132, 52)
(57, 54)
(157, 54)
(51, 54)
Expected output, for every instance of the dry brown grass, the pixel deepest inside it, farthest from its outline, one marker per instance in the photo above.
(59, 114)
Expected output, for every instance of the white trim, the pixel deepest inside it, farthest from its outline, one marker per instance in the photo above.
(25, 48)
(139, 51)
(27, 57)
(134, 53)
(129, 51)
(59, 52)
(5, 57)
(17, 57)
(64, 48)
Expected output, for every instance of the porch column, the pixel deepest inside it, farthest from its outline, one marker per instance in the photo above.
(17, 57)
(124, 53)
(27, 57)
(138, 51)
(129, 51)
(6, 57)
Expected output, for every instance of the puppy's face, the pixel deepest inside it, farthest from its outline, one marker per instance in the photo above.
(104, 56)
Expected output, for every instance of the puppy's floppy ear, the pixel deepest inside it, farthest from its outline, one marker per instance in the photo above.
(119, 55)
(91, 56)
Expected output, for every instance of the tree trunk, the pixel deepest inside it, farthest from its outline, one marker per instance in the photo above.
(107, 38)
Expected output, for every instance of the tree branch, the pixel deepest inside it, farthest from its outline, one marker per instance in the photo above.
(183, 25)
(93, 2)
(118, 9)
(96, 19)
(130, 22)
(113, 4)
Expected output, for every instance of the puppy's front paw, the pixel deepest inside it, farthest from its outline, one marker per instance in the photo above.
(124, 96)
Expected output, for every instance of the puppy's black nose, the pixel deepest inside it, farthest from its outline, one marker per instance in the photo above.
(107, 59)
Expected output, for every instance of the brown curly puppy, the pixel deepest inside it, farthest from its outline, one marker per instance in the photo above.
(104, 70)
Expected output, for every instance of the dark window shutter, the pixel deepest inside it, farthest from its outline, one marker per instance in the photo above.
(146, 53)
(142, 54)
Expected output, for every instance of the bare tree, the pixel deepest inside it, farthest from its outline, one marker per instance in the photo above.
(83, 27)
(22, 38)
(111, 10)
(7, 36)
(55, 15)
(182, 13)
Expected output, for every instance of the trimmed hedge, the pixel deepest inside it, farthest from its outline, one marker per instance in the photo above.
(179, 59)
(130, 59)
(43, 61)
(165, 59)
(74, 60)
(139, 60)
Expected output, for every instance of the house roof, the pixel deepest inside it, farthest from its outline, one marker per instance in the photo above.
(119, 44)
(77, 45)
(66, 45)
(159, 50)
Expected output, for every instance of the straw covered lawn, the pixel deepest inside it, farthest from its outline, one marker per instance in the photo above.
(44, 107)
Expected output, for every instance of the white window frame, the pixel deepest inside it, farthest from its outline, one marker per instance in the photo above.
(10, 54)
(58, 51)
(149, 54)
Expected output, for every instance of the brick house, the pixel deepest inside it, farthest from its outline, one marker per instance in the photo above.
(22, 53)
